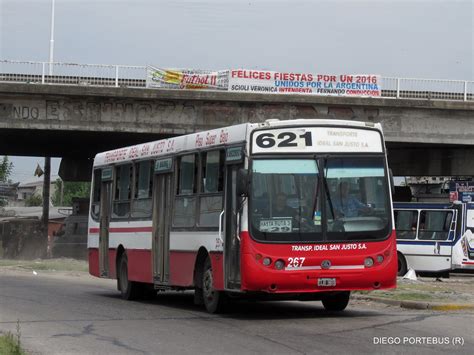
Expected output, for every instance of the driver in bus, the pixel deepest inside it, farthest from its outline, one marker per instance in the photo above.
(281, 208)
(347, 205)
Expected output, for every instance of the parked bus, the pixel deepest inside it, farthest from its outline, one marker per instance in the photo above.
(251, 210)
(437, 237)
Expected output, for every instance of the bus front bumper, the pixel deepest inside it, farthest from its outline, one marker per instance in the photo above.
(256, 277)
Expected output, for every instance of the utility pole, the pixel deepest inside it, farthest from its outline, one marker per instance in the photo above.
(61, 198)
(51, 41)
(46, 193)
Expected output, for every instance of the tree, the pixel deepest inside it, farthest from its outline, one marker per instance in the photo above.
(34, 200)
(6, 168)
(71, 190)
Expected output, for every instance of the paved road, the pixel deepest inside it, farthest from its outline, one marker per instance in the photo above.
(77, 314)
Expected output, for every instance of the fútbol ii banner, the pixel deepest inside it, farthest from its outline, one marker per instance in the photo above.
(186, 79)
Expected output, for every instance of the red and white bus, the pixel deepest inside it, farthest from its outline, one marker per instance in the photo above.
(296, 209)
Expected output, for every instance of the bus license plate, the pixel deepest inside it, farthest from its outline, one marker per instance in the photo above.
(327, 282)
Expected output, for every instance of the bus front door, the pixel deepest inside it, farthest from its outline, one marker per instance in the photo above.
(105, 206)
(433, 250)
(231, 221)
(161, 227)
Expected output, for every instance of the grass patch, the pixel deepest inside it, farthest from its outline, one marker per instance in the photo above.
(10, 344)
(420, 287)
(425, 291)
(61, 264)
(407, 296)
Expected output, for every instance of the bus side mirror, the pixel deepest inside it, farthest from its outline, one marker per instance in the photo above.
(392, 182)
(242, 182)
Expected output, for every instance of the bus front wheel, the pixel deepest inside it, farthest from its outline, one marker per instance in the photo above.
(337, 302)
(213, 300)
(402, 265)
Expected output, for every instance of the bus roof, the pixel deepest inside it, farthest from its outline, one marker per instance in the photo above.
(200, 140)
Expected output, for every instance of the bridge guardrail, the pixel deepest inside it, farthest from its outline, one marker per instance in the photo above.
(135, 77)
(72, 74)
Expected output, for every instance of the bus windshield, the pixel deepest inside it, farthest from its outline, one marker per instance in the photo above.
(286, 203)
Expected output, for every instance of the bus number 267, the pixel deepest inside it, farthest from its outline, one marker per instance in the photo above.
(295, 262)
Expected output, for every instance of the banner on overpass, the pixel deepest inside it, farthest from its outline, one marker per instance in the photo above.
(187, 79)
(261, 81)
(257, 81)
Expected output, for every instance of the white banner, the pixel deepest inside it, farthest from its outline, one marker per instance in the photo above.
(257, 81)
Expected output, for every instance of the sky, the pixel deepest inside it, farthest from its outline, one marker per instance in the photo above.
(24, 168)
(415, 38)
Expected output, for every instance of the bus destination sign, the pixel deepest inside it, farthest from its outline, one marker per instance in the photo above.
(317, 140)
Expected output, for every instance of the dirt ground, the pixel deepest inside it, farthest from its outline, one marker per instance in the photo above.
(47, 265)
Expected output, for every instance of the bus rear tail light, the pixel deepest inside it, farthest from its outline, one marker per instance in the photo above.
(368, 262)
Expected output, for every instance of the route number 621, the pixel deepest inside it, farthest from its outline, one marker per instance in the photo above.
(284, 139)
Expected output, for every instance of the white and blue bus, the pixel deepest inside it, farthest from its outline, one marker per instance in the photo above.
(436, 237)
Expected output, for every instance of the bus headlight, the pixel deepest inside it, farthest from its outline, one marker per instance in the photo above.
(379, 259)
(368, 262)
(279, 264)
(266, 261)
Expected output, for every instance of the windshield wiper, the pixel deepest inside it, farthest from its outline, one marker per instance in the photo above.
(338, 223)
(300, 197)
(325, 160)
(315, 198)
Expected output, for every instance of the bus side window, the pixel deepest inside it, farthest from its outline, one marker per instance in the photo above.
(122, 195)
(185, 202)
(96, 183)
(211, 197)
(187, 174)
(434, 225)
(405, 224)
(141, 205)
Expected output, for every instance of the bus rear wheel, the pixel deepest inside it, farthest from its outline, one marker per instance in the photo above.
(214, 301)
(129, 290)
(337, 302)
(402, 265)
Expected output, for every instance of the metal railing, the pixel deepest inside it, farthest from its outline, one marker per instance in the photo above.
(135, 77)
(431, 89)
(73, 74)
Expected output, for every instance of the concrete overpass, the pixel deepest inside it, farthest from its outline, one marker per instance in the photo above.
(424, 137)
